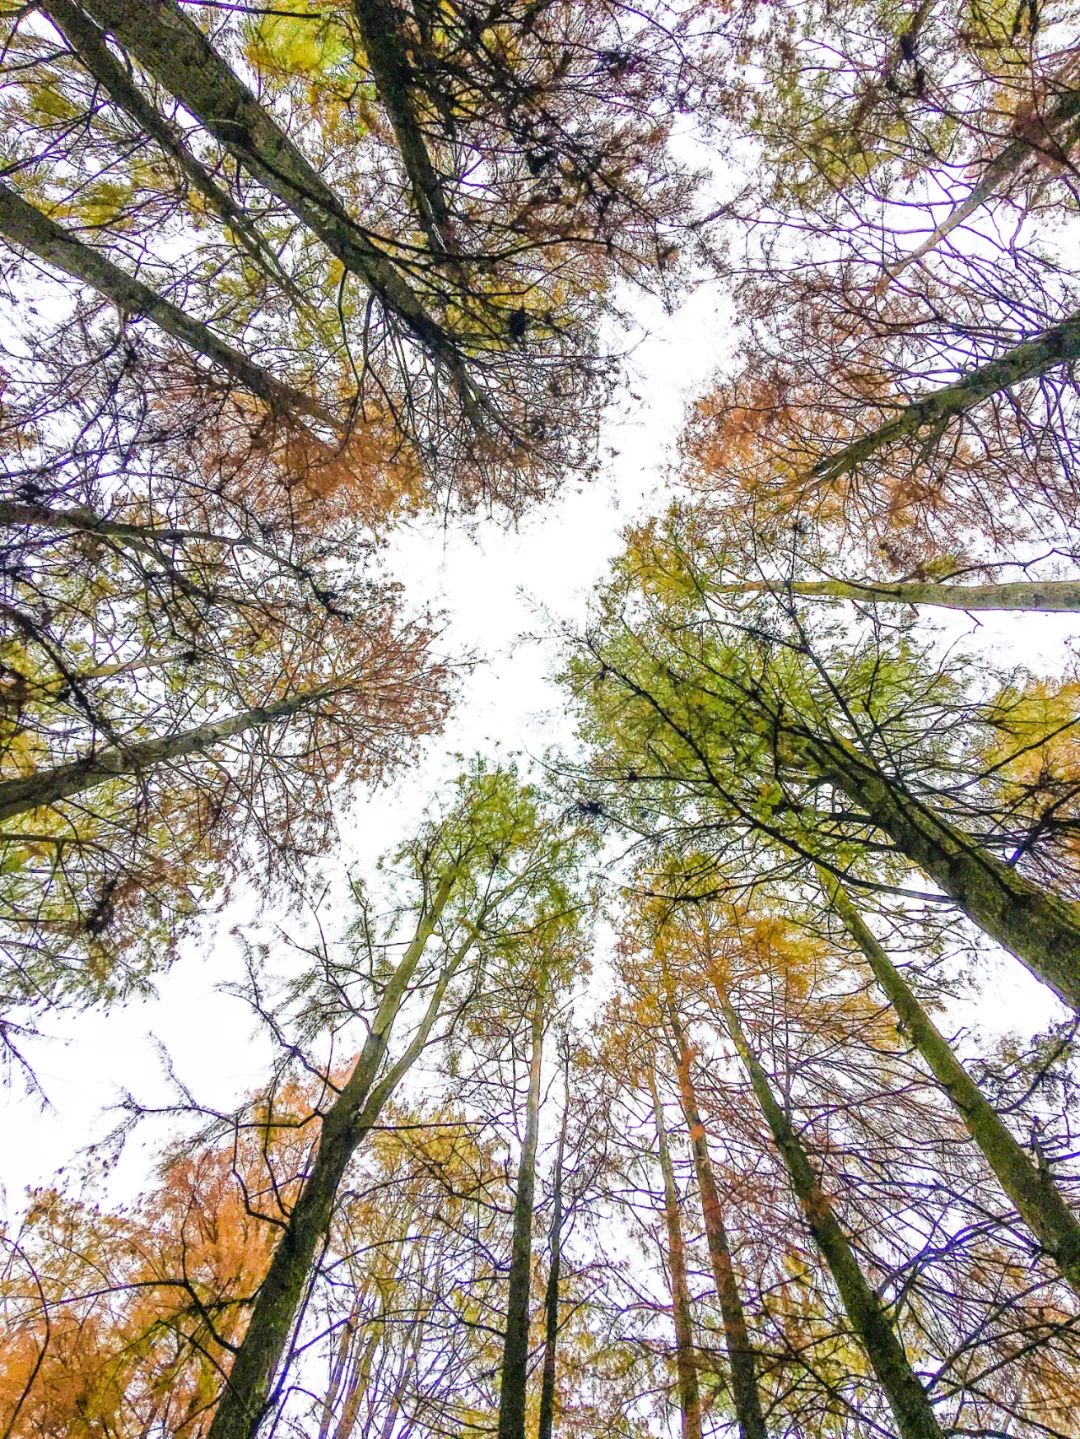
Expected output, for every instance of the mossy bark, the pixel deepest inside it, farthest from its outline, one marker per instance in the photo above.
(1056, 345)
(1031, 1189)
(25, 226)
(51, 786)
(1043, 596)
(172, 48)
(907, 1399)
(1041, 929)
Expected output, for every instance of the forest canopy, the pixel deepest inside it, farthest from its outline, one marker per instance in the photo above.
(701, 1057)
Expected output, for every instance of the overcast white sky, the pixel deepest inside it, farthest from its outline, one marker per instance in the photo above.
(492, 588)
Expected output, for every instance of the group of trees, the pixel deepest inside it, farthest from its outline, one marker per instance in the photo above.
(631, 1097)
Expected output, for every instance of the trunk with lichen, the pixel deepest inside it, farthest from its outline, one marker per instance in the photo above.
(1031, 1189)
(907, 1398)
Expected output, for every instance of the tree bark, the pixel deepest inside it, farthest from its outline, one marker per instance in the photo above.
(387, 56)
(907, 1399)
(50, 786)
(1042, 930)
(1044, 596)
(88, 43)
(245, 1396)
(1064, 111)
(515, 1361)
(1037, 1199)
(551, 1294)
(25, 226)
(740, 1350)
(175, 51)
(685, 1358)
(1033, 357)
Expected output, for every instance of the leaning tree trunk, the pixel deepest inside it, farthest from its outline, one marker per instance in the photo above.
(245, 1397)
(515, 1361)
(1037, 1199)
(685, 1358)
(1033, 357)
(740, 1350)
(171, 47)
(1063, 113)
(88, 43)
(25, 226)
(50, 786)
(1041, 929)
(551, 1294)
(1044, 596)
(907, 1399)
(388, 59)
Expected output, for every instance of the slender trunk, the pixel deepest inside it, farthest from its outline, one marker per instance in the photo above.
(685, 1359)
(1065, 111)
(736, 1334)
(1031, 1189)
(357, 1388)
(1041, 929)
(907, 1399)
(88, 43)
(515, 1361)
(551, 1293)
(50, 786)
(244, 1399)
(25, 226)
(173, 49)
(1045, 596)
(1026, 361)
(338, 1370)
(388, 59)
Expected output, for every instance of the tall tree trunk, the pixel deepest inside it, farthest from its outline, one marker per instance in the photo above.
(173, 49)
(1044, 596)
(551, 1293)
(740, 1350)
(1062, 114)
(1041, 929)
(685, 1358)
(24, 225)
(1037, 1199)
(387, 52)
(1033, 357)
(244, 1399)
(907, 1399)
(50, 786)
(88, 43)
(515, 1361)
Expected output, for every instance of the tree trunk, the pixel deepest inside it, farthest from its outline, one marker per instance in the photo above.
(1037, 1199)
(25, 226)
(50, 786)
(244, 1399)
(175, 51)
(736, 1334)
(1033, 357)
(907, 1399)
(88, 43)
(685, 1358)
(551, 1294)
(387, 55)
(1041, 929)
(1045, 596)
(515, 1361)
(1065, 111)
